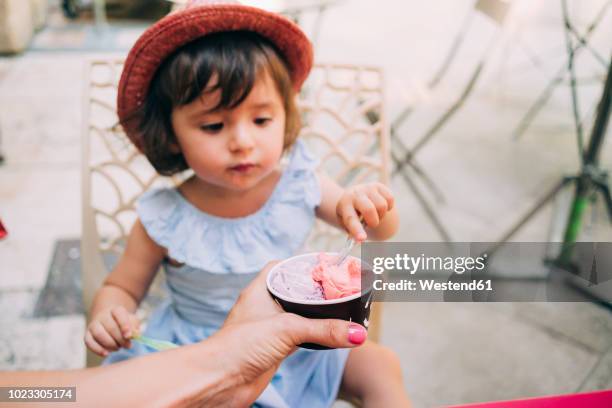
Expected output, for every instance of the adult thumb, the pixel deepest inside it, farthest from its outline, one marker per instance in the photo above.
(329, 332)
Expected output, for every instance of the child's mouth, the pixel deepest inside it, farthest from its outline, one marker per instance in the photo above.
(243, 168)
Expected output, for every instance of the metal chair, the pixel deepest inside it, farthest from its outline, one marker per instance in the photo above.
(403, 156)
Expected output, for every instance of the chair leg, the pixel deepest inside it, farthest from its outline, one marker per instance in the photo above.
(375, 325)
(1, 155)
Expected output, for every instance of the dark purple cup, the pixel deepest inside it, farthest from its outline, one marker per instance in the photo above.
(353, 308)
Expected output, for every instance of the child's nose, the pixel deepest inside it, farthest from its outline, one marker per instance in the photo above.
(241, 139)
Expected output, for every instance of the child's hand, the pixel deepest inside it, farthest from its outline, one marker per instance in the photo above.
(110, 330)
(370, 201)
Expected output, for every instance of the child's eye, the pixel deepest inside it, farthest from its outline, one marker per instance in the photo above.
(212, 127)
(262, 121)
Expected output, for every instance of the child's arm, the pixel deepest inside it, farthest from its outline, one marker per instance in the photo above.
(113, 321)
(373, 202)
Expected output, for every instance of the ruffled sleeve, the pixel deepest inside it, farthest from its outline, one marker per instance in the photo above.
(160, 213)
(301, 172)
(237, 245)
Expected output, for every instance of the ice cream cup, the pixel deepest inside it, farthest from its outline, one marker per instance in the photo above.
(354, 308)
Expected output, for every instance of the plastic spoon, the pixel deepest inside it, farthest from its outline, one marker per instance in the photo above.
(158, 345)
(348, 246)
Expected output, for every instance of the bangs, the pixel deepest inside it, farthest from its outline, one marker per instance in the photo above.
(233, 59)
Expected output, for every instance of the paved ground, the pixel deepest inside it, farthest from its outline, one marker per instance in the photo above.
(451, 353)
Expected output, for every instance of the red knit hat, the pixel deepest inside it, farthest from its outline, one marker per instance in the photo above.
(197, 19)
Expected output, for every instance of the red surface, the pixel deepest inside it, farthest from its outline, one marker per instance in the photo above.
(597, 399)
(3, 231)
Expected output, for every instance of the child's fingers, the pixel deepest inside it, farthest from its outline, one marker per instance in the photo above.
(135, 325)
(350, 220)
(387, 194)
(124, 321)
(366, 208)
(356, 229)
(101, 336)
(112, 328)
(94, 346)
(380, 203)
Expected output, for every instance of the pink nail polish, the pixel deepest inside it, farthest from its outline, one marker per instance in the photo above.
(3, 231)
(357, 334)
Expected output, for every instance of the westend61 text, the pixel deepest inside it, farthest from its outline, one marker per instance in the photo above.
(432, 285)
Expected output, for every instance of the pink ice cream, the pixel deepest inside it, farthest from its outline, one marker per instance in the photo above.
(338, 281)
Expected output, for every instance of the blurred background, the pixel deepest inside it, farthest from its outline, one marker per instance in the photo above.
(484, 123)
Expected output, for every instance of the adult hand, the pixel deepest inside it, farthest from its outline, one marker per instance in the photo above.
(258, 335)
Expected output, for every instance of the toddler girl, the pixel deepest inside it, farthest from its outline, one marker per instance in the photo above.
(212, 88)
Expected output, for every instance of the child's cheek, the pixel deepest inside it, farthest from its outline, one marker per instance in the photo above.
(274, 145)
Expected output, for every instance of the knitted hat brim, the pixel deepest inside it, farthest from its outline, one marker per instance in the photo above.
(177, 29)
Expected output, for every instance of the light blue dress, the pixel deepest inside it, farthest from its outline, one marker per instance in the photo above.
(221, 257)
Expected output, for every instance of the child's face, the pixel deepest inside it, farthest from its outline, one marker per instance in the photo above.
(233, 148)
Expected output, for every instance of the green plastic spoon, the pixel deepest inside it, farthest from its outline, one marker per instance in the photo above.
(158, 345)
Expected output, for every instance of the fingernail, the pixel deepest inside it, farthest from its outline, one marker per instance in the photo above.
(357, 334)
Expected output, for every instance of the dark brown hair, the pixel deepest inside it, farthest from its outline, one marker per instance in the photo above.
(236, 58)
